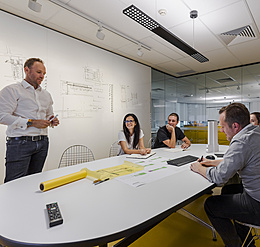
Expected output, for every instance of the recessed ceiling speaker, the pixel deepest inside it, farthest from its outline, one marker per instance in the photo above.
(34, 6)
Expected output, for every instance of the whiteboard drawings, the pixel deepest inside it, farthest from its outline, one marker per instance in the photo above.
(128, 97)
(16, 64)
(79, 99)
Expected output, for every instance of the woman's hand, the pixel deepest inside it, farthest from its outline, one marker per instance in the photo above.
(142, 151)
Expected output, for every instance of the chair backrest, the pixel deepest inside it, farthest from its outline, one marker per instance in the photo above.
(114, 149)
(76, 154)
(151, 143)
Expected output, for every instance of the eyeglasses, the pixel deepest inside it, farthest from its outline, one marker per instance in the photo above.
(129, 121)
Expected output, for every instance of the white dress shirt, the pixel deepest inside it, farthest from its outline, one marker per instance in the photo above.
(20, 102)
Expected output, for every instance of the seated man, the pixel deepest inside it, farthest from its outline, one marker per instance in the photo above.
(242, 157)
(170, 133)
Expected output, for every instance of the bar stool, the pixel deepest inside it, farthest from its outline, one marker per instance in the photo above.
(252, 228)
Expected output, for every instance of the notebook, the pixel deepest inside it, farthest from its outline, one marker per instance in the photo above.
(182, 160)
(140, 156)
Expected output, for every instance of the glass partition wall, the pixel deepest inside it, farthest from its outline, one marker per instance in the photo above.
(198, 98)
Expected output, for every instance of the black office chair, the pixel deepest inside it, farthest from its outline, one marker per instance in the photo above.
(76, 154)
(114, 149)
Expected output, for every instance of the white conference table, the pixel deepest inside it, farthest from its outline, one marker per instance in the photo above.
(95, 214)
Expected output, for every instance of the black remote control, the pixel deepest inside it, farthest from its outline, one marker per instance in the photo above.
(54, 214)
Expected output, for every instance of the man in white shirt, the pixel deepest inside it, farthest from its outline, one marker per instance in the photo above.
(27, 110)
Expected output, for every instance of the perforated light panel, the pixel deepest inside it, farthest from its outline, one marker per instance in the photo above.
(147, 22)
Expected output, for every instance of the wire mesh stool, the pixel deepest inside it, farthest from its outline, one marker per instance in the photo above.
(76, 154)
(253, 229)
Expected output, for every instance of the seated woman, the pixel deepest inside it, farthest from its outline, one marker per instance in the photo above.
(255, 118)
(131, 137)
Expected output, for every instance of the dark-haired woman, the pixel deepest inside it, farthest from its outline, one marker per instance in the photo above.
(255, 118)
(131, 137)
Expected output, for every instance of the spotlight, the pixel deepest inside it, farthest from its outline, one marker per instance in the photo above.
(34, 6)
(139, 52)
(99, 34)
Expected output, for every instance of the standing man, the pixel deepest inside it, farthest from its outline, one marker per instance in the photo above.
(170, 133)
(242, 157)
(27, 110)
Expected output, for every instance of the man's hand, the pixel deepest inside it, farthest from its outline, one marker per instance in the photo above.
(208, 162)
(198, 168)
(195, 167)
(54, 122)
(184, 145)
(40, 123)
(170, 128)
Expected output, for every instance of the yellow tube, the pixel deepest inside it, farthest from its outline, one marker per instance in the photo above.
(56, 182)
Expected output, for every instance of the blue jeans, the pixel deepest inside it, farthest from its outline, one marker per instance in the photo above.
(222, 209)
(24, 157)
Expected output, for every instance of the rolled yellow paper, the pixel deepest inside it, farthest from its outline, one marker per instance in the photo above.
(56, 182)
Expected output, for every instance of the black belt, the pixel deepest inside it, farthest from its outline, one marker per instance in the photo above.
(28, 138)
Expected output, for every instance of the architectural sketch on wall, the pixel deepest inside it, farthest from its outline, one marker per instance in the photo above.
(16, 64)
(128, 97)
(73, 88)
(93, 95)
(14, 72)
(92, 74)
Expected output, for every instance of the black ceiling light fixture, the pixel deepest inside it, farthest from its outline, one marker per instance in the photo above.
(147, 22)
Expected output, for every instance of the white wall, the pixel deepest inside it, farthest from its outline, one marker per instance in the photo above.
(92, 89)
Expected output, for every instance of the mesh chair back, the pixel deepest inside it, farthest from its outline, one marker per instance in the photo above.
(114, 149)
(76, 154)
(151, 143)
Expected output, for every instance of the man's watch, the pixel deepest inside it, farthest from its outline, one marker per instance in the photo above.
(29, 123)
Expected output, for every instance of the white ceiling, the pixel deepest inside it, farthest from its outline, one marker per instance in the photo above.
(214, 17)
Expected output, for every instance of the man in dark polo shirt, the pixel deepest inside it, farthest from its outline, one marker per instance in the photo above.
(168, 135)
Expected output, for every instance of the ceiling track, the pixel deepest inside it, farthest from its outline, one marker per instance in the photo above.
(98, 23)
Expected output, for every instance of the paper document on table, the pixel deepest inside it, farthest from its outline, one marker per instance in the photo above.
(173, 150)
(154, 169)
(140, 156)
(126, 168)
